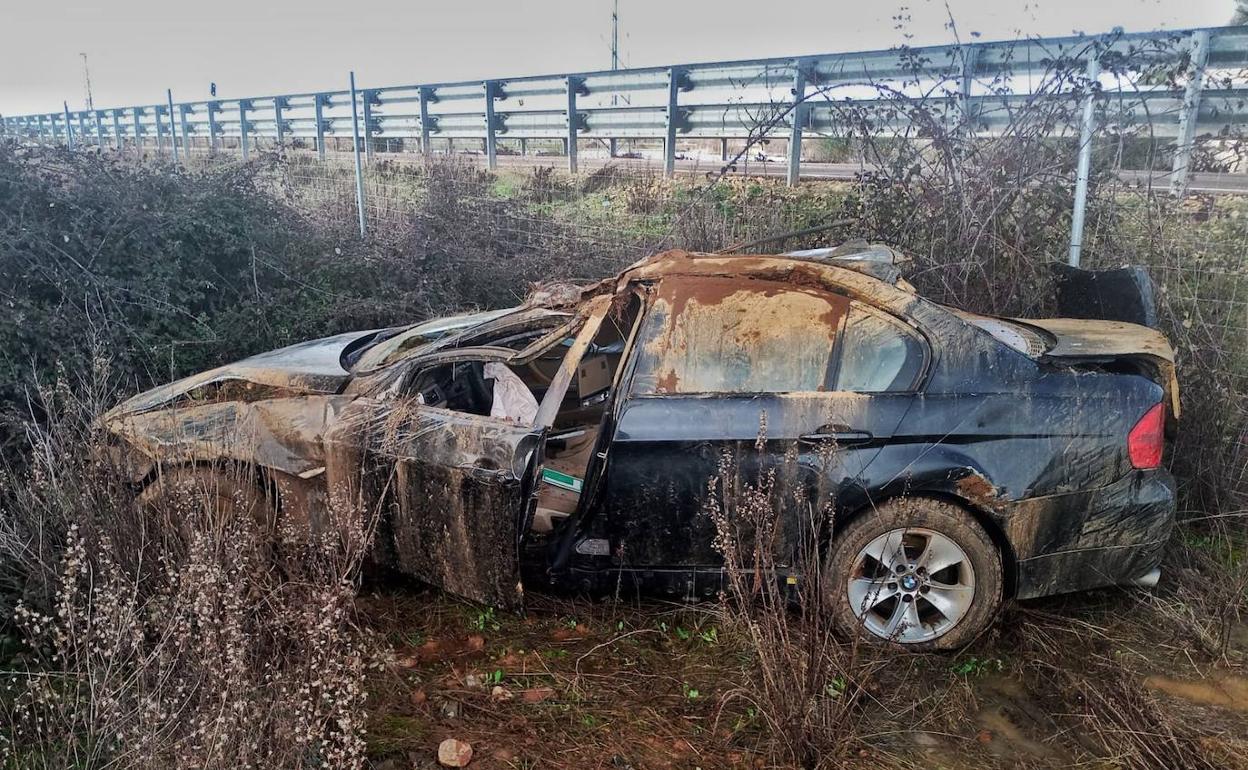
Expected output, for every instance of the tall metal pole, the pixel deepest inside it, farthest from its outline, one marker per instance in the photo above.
(173, 129)
(615, 62)
(359, 167)
(69, 128)
(86, 74)
(1199, 55)
(1085, 161)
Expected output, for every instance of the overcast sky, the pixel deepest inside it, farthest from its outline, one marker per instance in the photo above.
(138, 48)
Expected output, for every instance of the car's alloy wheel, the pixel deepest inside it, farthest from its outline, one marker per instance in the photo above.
(911, 585)
(917, 573)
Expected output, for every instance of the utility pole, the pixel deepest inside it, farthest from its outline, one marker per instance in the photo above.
(615, 60)
(86, 75)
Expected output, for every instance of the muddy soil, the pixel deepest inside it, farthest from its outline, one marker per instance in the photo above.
(577, 683)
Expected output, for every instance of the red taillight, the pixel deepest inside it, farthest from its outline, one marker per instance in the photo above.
(1146, 439)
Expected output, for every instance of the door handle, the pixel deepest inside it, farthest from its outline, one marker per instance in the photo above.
(837, 434)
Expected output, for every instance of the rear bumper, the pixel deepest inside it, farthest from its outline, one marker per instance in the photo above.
(1092, 538)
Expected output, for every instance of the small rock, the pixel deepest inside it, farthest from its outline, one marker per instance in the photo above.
(454, 753)
(472, 680)
(500, 693)
(503, 755)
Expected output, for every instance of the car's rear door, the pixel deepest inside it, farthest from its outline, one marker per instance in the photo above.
(735, 378)
(454, 489)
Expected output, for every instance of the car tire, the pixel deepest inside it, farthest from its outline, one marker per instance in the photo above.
(188, 499)
(916, 574)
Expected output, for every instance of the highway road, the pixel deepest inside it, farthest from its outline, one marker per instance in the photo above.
(1202, 182)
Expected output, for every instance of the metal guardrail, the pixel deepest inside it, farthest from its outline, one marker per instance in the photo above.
(982, 84)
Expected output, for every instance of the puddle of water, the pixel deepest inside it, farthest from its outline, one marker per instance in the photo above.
(1228, 692)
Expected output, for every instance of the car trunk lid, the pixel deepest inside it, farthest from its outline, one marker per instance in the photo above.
(1075, 340)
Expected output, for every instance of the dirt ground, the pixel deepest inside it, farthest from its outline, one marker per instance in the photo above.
(1104, 679)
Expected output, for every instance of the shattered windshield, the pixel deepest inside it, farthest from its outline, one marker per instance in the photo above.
(386, 350)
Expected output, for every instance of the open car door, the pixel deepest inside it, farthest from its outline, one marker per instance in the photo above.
(455, 489)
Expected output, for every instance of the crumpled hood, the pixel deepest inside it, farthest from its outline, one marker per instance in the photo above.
(312, 367)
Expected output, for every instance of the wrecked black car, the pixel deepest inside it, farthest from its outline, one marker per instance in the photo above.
(571, 440)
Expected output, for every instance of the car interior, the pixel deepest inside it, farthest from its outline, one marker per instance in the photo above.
(490, 389)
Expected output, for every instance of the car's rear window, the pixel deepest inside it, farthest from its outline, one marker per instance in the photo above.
(878, 354)
(734, 336)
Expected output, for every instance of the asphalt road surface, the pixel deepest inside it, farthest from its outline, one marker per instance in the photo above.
(1202, 182)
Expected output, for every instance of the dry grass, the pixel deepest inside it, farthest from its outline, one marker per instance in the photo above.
(147, 646)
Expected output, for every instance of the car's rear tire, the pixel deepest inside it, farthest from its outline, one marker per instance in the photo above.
(916, 574)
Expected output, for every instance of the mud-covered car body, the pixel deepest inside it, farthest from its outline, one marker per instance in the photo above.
(864, 391)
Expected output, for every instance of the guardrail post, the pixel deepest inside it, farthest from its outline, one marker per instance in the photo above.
(319, 109)
(359, 169)
(184, 125)
(213, 129)
(491, 134)
(82, 127)
(243, 133)
(673, 118)
(118, 137)
(69, 128)
(966, 81)
(138, 132)
(366, 104)
(1085, 160)
(1189, 112)
(42, 128)
(99, 128)
(173, 127)
(160, 130)
(279, 129)
(574, 85)
(426, 95)
(798, 118)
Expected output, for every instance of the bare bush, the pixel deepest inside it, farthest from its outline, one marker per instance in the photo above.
(808, 682)
(150, 648)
